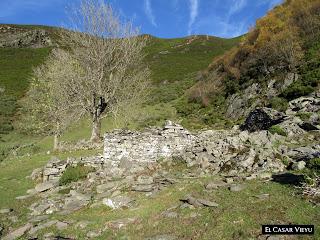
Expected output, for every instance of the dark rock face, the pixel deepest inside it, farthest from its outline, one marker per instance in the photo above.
(262, 119)
(308, 126)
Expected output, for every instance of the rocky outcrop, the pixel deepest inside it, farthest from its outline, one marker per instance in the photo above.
(23, 37)
(262, 119)
(240, 104)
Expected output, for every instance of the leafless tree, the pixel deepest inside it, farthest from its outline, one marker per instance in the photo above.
(108, 62)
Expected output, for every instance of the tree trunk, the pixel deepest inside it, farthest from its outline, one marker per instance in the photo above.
(56, 142)
(96, 128)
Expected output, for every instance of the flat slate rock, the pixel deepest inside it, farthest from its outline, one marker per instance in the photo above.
(236, 187)
(162, 237)
(42, 187)
(121, 223)
(5, 211)
(214, 185)
(42, 226)
(23, 197)
(118, 202)
(142, 188)
(18, 232)
(263, 196)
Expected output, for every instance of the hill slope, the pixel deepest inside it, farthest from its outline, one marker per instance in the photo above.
(174, 64)
(277, 61)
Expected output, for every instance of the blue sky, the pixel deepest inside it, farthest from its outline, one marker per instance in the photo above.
(161, 18)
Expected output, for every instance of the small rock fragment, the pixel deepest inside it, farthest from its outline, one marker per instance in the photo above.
(236, 187)
(5, 211)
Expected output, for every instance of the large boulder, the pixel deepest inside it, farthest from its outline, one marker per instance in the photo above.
(262, 119)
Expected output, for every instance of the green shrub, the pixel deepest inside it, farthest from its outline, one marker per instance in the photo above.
(277, 130)
(304, 116)
(73, 174)
(280, 104)
(297, 89)
(314, 163)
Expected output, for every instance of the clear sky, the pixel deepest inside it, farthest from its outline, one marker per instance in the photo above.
(161, 18)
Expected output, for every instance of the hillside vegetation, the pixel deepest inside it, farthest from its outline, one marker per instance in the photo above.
(284, 42)
(174, 64)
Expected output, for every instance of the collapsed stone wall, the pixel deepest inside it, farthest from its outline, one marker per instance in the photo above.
(147, 146)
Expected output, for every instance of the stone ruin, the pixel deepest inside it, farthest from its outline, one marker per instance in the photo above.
(148, 146)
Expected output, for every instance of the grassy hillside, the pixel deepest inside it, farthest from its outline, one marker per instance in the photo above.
(174, 63)
(16, 68)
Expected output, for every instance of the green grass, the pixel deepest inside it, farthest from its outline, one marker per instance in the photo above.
(277, 130)
(16, 69)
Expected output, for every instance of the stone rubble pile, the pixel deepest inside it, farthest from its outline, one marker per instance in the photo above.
(235, 152)
(134, 163)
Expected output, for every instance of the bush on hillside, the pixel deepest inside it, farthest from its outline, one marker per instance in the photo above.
(297, 89)
(285, 40)
(73, 174)
(279, 104)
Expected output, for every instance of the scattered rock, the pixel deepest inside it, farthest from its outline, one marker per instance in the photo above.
(304, 153)
(214, 185)
(229, 180)
(145, 180)
(121, 223)
(23, 197)
(42, 226)
(5, 210)
(162, 237)
(73, 205)
(299, 165)
(264, 175)
(39, 218)
(142, 188)
(263, 196)
(32, 192)
(82, 224)
(118, 202)
(36, 174)
(18, 232)
(62, 225)
(169, 214)
(107, 186)
(198, 202)
(40, 208)
(42, 187)
(236, 187)
(93, 234)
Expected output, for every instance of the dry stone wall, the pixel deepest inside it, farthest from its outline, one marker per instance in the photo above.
(147, 146)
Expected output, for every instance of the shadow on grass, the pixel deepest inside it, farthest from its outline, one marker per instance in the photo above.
(288, 178)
